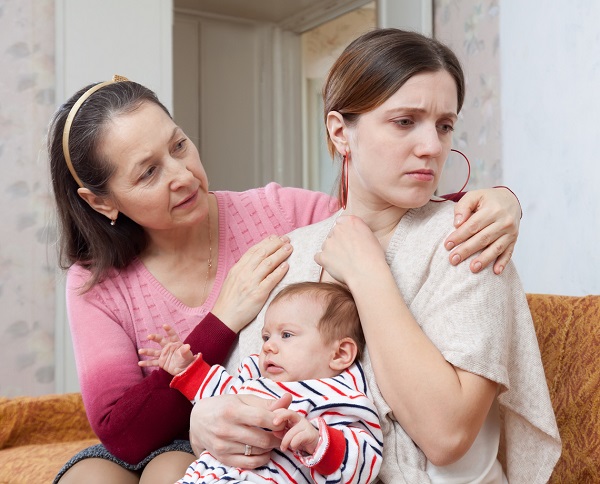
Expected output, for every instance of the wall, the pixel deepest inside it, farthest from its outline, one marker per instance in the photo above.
(27, 260)
(471, 29)
(550, 90)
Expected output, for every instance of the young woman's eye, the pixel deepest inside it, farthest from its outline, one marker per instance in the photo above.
(404, 122)
(446, 128)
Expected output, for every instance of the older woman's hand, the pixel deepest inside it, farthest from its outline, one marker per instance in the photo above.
(251, 280)
(224, 425)
(486, 220)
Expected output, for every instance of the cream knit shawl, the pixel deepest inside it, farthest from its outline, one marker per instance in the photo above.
(480, 323)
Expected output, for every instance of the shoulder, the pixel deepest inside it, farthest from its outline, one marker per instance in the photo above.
(296, 207)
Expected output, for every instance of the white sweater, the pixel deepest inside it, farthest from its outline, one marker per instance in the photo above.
(479, 322)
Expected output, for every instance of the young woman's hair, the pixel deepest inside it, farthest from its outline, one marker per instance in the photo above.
(376, 64)
(340, 317)
(86, 236)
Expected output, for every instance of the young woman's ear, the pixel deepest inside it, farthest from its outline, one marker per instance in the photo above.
(345, 354)
(102, 205)
(338, 131)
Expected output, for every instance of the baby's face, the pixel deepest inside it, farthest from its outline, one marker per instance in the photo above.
(293, 348)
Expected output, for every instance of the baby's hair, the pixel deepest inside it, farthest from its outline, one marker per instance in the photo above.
(340, 317)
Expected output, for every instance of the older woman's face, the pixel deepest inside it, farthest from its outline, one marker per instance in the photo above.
(159, 182)
(398, 150)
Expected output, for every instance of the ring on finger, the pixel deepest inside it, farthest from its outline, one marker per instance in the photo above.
(248, 450)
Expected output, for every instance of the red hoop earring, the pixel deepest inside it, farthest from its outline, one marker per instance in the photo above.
(344, 182)
(468, 174)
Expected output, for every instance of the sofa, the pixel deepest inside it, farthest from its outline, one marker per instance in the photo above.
(39, 434)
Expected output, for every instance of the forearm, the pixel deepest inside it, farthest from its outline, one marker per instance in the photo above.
(425, 394)
(149, 414)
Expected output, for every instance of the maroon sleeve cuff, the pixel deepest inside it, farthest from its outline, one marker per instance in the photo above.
(212, 338)
(188, 382)
(334, 455)
(454, 197)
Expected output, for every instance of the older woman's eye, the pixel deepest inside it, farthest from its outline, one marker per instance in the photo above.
(149, 172)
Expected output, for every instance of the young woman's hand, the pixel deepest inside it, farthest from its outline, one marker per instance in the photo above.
(250, 281)
(351, 250)
(486, 220)
(224, 425)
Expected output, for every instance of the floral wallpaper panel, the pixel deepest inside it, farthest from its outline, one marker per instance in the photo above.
(27, 260)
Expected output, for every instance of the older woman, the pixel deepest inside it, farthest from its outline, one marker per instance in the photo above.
(452, 362)
(145, 243)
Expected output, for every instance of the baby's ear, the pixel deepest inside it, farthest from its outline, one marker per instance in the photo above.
(344, 355)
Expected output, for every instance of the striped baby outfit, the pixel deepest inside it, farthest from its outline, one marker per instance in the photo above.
(350, 444)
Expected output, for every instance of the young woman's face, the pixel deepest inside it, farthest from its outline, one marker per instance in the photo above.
(159, 182)
(398, 150)
(293, 348)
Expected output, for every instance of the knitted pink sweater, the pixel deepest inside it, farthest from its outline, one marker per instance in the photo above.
(133, 411)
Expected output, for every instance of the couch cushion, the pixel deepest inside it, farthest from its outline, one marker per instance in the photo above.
(568, 331)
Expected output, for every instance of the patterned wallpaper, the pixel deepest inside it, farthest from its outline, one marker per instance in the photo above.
(27, 258)
(27, 249)
(471, 29)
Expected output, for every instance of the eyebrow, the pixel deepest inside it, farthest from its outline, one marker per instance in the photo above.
(145, 160)
(410, 110)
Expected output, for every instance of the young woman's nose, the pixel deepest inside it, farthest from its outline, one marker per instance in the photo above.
(429, 143)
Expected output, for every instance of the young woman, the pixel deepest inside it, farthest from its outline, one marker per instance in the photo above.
(452, 361)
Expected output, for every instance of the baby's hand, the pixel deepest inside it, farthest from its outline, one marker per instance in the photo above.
(300, 436)
(173, 357)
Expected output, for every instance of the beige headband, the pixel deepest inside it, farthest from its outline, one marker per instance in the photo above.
(69, 121)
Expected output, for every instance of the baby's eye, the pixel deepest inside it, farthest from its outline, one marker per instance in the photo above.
(265, 338)
(286, 334)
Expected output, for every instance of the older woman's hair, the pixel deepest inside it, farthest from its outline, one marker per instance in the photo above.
(376, 64)
(340, 316)
(86, 236)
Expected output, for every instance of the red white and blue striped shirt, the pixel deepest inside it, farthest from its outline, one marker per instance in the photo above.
(350, 443)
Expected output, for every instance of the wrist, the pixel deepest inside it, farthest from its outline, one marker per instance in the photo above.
(514, 195)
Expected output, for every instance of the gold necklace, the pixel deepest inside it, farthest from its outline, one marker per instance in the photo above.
(209, 261)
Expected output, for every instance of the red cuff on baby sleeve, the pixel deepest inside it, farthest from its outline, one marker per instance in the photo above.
(188, 382)
(334, 455)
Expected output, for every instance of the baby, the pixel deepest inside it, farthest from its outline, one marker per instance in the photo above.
(312, 341)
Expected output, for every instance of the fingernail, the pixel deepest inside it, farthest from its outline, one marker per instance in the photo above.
(285, 238)
(500, 269)
(449, 245)
(455, 259)
(458, 219)
(477, 266)
(287, 247)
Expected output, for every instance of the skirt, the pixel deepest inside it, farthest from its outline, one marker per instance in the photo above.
(98, 451)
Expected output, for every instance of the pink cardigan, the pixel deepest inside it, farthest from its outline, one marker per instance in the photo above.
(133, 411)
